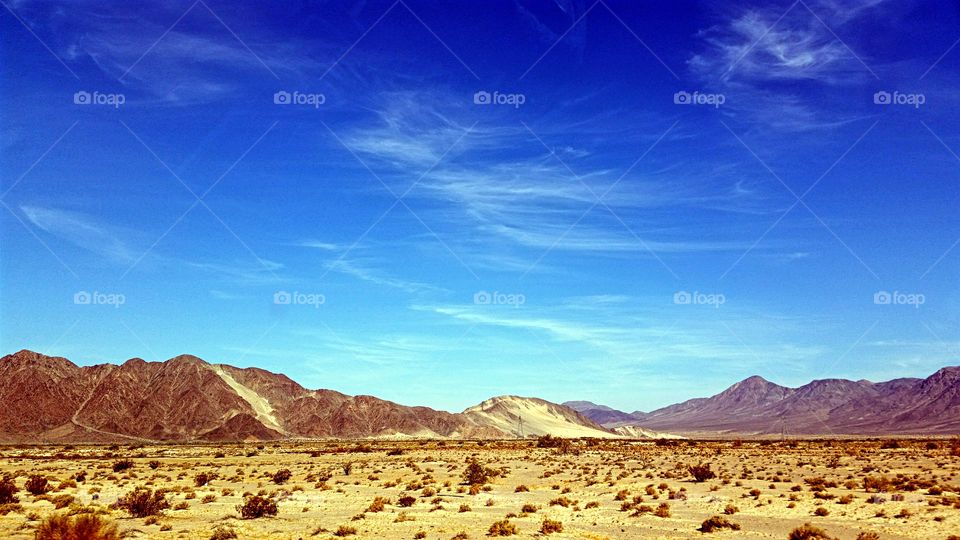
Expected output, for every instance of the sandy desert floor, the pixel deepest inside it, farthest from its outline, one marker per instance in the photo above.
(592, 489)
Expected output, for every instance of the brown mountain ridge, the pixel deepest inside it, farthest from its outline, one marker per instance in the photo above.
(755, 406)
(51, 399)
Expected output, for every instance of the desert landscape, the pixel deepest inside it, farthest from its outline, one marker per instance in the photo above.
(561, 488)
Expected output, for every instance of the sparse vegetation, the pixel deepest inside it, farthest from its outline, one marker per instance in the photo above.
(701, 472)
(502, 528)
(257, 506)
(143, 502)
(716, 523)
(85, 526)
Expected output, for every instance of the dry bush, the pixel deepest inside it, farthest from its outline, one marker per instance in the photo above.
(867, 535)
(223, 533)
(256, 506)
(202, 479)
(81, 527)
(809, 532)
(343, 530)
(551, 526)
(37, 485)
(476, 474)
(877, 483)
(528, 509)
(701, 472)
(717, 523)
(143, 502)
(730, 509)
(378, 505)
(122, 465)
(281, 476)
(406, 501)
(662, 511)
(821, 511)
(502, 528)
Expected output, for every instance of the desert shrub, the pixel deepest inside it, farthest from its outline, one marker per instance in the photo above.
(821, 511)
(257, 506)
(62, 501)
(343, 530)
(808, 532)
(868, 535)
(347, 468)
(716, 523)
(223, 533)
(378, 504)
(521, 489)
(143, 502)
(528, 509)
(502, 528)
(476, 474)
(730, 510)
(890, 444)
(701, 472)
(154, 464)
(662, 511)
(281, 476)
(877, 483)
(122, 465)
(80, 527)
(395, 452)
(549, 441)
(406, 501)
(202, 479)
(37, 485)
(464, 508)
(551, 526)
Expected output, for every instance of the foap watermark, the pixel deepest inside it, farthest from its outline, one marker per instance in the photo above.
(898, 298)
(882, 97)
(82, 97)
(482, 97)
(497, 298)
(699, 98)
(296, 298)
(686, 298)
(97, 298)
(282, 97)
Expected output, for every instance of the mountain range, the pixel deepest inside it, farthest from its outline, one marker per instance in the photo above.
(51, 399)
(756, 406)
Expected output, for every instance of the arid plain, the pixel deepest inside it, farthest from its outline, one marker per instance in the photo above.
(590, 489)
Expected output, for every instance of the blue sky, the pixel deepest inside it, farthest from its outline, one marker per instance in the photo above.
(472, 199)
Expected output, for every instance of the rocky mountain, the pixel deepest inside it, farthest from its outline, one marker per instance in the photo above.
(524, 417)
(600, 414)
(51, 399)
(756, 406)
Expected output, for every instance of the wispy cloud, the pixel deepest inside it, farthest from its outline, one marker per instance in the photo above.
(357, 269)
(125, 247)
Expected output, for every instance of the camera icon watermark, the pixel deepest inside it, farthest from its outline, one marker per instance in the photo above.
(296, 298)
(82, 97)
(283, 97)
(686, 298)
(882, 97)
(699, 98)
(482, 97)
(96, 298)
(897, 298)
(496, 298)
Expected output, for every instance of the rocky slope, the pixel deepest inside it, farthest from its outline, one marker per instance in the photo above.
(756, 406)
(51, 399)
